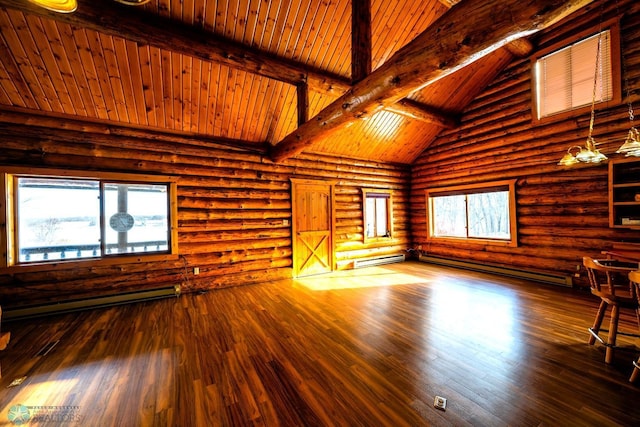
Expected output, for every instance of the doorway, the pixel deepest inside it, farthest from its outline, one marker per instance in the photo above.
(313, 227)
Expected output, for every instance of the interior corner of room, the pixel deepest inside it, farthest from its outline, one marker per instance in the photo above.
(320, 212)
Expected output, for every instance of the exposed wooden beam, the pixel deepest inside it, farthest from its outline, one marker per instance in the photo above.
(449, 3)
(462, 35)
(106, 16)
(415, 110)
(109, 17)
(302, 92)
(520, 48)
(360, 39)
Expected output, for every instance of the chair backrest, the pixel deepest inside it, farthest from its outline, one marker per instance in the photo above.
(607, 274)
(634, 278)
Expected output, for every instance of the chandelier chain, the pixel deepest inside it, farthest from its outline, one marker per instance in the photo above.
(627, 88)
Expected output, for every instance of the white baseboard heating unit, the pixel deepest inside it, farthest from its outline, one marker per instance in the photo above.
(542, 277)
(385, 259)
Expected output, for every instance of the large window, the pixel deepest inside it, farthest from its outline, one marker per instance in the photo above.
(377, 209)
(484, 212)
(564, 74)
(54, 216)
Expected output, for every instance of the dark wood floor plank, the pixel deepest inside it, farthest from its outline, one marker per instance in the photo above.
(366, 347)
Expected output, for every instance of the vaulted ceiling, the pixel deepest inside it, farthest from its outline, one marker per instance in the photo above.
(244, 71)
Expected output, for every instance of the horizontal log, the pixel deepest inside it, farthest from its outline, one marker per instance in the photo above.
(190, 226)
(579, 209)
(233, 278)
(238, 214)
(348, 248)
(224, 153)
(232, 193)
(195, 248)
(605, 236)
(230, 236)
(370, 252)
(563, 198)
(563, 221)
(212, 260)
(207, 273)
(560, 242)
(226, 204)
(564, 265)
(71, 127)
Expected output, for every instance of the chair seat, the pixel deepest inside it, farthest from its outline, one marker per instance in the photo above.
(623, 296)
(634, 279)
(609, 281)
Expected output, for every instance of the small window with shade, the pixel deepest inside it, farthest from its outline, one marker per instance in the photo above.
(377, 209)
(565, 75)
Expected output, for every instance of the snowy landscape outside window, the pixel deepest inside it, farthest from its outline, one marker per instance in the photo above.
(91, 217)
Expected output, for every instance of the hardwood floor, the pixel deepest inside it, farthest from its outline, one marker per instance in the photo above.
(369, 347)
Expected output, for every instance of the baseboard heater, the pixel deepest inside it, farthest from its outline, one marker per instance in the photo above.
(385, 259)
(543, 277)
(89, 303)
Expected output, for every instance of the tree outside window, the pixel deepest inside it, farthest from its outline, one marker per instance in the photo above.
(484, 212)
(377, 213)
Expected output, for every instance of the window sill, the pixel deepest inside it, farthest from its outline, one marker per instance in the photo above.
(483, 242)
(378, 239)
(85, 263)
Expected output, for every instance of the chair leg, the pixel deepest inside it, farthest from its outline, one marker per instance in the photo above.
(613, 333)
(597, 322)
(636, 371)
(636, 363)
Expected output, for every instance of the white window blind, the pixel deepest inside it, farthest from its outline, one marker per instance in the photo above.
(565, 77)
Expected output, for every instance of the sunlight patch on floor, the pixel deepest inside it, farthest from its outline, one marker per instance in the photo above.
(37, 400)
(360, 278)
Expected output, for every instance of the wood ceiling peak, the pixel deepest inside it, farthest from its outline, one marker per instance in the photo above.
(462, 35)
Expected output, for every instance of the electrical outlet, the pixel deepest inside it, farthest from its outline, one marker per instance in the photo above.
(196, 271)
(440, 403)
(285, 222)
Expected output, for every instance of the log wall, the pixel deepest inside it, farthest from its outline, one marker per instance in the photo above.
(232, 203)
(562, 212)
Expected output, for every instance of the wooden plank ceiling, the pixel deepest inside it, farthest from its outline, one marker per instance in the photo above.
(96, 64)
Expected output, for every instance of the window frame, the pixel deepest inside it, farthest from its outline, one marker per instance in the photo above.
(613, 25)
(8, 220)
(377, 193)
(486, 187)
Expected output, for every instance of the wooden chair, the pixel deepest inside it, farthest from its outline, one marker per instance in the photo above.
(4, 338)
(634, 278)
(608, 279)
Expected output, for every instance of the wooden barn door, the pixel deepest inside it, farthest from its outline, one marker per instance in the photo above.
(312, 227)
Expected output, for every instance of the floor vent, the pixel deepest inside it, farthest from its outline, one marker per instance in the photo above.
(47, 348)
(386, 259)
(543, 277)
(89, 303)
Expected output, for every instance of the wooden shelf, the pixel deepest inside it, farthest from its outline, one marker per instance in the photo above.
(624, 187)
(626, 203)
(628, 185)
